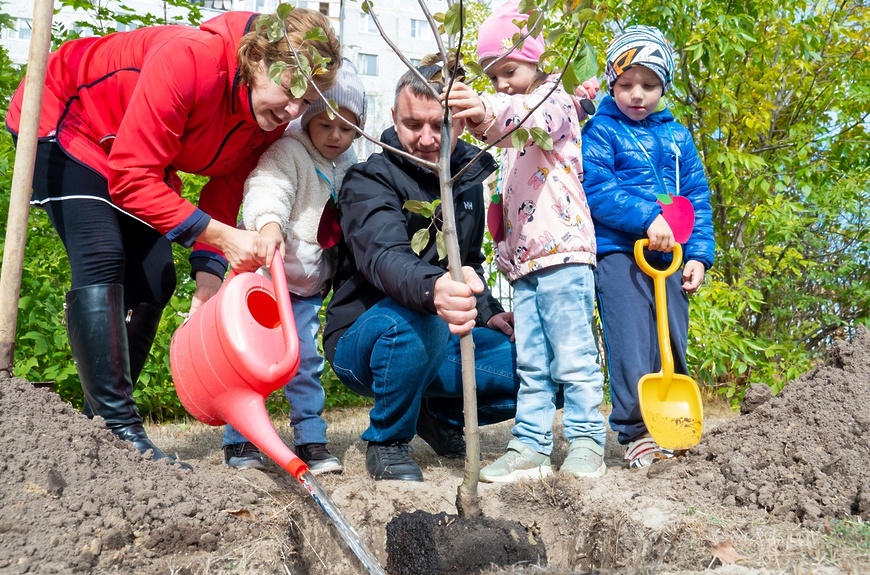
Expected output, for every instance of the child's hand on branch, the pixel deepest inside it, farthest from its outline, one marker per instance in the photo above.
(465, 103)
(588, 89)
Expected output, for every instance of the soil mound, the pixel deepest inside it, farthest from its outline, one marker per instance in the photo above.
(73, 499)
(801, 455)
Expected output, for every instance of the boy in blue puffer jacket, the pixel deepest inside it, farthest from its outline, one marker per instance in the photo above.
(632, 153)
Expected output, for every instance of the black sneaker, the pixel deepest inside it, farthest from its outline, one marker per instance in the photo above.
(243, 456)
(318, 458)
(447, 440)
(392, 461)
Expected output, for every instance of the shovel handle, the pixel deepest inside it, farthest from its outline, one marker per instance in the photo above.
(661, 295)
(651, 271)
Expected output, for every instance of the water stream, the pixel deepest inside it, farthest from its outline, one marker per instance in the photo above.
(350, 536)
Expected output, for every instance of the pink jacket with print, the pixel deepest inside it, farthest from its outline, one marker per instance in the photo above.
(546, 217)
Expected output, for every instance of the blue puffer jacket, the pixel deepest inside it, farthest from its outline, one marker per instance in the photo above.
(621, 185)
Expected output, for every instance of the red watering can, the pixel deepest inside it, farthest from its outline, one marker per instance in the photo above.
(239, 347)
(226, 359)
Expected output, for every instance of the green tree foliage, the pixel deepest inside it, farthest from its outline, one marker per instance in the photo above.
(42, 350)
(776, 93)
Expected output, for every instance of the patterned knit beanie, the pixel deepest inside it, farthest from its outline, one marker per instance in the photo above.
(642, 45)
(494, 36)
(348, 92)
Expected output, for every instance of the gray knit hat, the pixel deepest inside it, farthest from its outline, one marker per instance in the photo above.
(348, 92)
(642, 45)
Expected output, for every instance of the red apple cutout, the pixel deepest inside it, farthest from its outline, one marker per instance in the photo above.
(680, 215)
(328, 231)
(495, 221)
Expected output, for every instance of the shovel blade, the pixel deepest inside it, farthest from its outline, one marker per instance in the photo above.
(672, 411)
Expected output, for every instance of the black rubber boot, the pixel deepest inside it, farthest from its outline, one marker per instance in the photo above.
(98, 338)
(142, 324)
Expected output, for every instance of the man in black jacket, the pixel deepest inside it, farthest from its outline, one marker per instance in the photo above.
(394, 321)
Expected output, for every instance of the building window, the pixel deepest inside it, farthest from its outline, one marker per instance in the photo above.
(122, 27)
(371, 104)
(415, 62)
(266, 6)
(22, 30)
(367, 24)
(418, 28)
(367, 64)
(324, 8)
(221, 5)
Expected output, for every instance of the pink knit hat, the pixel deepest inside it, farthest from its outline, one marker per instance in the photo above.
(494, 36)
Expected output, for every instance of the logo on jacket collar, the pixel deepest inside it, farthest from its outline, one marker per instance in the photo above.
(469, 205)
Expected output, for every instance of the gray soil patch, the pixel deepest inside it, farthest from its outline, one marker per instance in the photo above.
(772, 482)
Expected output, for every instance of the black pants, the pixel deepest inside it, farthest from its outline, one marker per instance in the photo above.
(104, 244)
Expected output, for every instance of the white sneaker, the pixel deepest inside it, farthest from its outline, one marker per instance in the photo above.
(520, 462)
(644, 451)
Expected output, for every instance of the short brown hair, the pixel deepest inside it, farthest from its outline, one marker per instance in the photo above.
(255, 47)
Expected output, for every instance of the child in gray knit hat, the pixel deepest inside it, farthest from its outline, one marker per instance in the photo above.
(644, 180)
(289, 199)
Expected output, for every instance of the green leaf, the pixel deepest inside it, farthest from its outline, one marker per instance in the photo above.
(585, 62)
(441, 244)
(415, 206)
(298, 85)
(329, 112)
(316, 35)
(542, 138)
(367, 6)
(526, 6)
(519, 137)
(276, 71)
(283, 10)
(664, 199)
(420, 240)
(474, 67)
(453, 20)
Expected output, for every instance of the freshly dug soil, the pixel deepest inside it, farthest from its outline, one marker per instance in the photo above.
(764, 492)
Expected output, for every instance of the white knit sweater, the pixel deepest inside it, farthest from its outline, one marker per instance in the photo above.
(285, 188)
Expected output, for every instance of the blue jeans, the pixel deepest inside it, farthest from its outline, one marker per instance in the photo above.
(403, 358)
(304, 392)
(553, 314)
(626, 302)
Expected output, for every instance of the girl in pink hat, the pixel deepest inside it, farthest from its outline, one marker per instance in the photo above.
(547, 251)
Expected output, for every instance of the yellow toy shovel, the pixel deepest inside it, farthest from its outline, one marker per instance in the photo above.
(670, 403)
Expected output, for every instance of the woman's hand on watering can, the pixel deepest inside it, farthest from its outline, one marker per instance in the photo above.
(693, 276)
(455, 302)
(661, 237)
(236, 245)
(268, 240)
(206, 286)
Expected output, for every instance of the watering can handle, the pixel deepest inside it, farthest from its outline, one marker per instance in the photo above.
(661, 296)
(285, 313)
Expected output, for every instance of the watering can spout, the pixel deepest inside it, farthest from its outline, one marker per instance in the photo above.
(246, 411)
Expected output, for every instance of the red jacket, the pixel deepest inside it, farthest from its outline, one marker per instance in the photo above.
(138, 106)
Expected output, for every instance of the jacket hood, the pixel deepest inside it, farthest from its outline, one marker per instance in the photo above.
(608, 107)
(230, 27)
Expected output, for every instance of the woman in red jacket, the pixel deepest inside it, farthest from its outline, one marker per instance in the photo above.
(121, 115)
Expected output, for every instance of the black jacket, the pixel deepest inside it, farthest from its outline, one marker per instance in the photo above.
(375, 256)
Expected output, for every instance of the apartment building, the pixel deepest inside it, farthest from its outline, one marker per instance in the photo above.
(403, 21)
